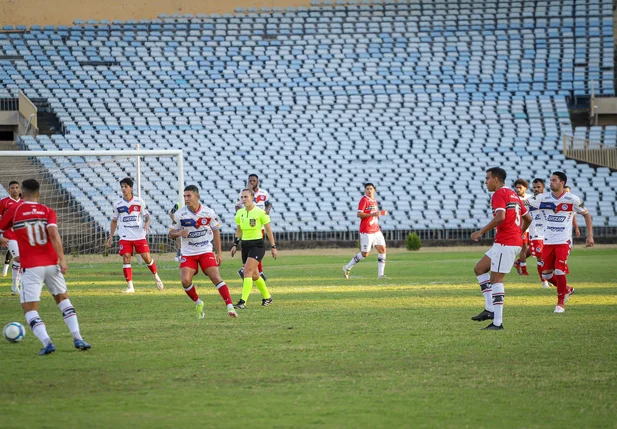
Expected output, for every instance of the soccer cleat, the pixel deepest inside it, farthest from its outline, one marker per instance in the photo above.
(231, 311)
(48, 349)
(382, 277)
(266, 302)
(493, 327)
(570, 292)
(81, 345)
(346, 272)
(263, 276)
(241, 273)
(178, 256)
(199, 309)
(546, 285)
(485, 315)
(159, 282)
(15, 292)
(524, 271)
(559, 309)
(240, 304)
(129, 290)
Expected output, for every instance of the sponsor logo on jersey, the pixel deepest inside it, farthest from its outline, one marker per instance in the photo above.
(129, 209)
(196, 234)
(199, 243)
(552, 218)
(129, 219)
(195, 223)
(556, 228)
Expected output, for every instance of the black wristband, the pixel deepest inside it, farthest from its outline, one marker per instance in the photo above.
(273, 246)
(236, 241)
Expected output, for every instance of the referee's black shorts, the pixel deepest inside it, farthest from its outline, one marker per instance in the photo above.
(253, 249)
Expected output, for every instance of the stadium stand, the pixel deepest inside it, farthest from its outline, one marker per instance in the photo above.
(419, 97)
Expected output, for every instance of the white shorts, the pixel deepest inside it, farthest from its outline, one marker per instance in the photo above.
(14, 248)
(367, 241)
(503, 257)
(32, 282)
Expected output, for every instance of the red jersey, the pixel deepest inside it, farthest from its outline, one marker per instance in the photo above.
(30, 222)
(5, 204)
(368, 225)
(509, 232)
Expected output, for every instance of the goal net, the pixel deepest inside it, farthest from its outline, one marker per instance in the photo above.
(82, 186)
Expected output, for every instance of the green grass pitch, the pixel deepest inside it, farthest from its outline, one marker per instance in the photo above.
(330, 352)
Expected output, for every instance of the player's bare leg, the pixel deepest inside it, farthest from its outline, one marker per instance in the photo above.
(128, 273)
(381, 261)
(152, 267)
(221, 286)
(482, 270)
(186, 278)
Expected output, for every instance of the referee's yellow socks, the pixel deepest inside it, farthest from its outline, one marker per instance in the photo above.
(261, 285)
(246, 288)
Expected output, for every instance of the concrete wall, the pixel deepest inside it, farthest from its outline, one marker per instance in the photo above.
(64, 12)
(9, 118)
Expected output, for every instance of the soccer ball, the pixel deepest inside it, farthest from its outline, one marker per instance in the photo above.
(14, 332)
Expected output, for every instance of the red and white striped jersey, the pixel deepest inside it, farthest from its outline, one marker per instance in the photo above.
(509, 232)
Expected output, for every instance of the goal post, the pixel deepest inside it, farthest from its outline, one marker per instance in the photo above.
(82, 186)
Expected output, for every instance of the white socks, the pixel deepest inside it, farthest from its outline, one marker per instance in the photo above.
(70, 318)
(38, 327)
(485, 285)
(498, 295)
(16, 276)
(354, 261)
(381, 264)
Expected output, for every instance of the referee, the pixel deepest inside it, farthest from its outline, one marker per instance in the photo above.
(250, 220)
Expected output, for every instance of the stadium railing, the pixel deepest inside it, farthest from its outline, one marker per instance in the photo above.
(588, 151)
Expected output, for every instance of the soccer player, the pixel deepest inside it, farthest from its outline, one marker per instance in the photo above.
(251, 221)
(198, 226)
(536, 231)
(132, 220)
(172, 216)
(262, 200)
(577, 231)
(559, 208)
(42, 259)
(13, 249)
(370, 233)
(521, 186)
(508, 212)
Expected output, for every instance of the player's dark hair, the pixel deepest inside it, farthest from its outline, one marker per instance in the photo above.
(523, 182)
(13, 182)
(567, 187)
(538, 180)
(30, 186)
(250, 191)
(254, 175)
(369, 184)
(562, 176)
(498, 172)
(192, 188)
(128, 181)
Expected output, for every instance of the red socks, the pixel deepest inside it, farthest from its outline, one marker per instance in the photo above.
(152, 267)
(192, 292)
(224, 291)
(562, 288)
(128, 272)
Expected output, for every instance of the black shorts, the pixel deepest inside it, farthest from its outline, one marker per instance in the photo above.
(253, 249)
